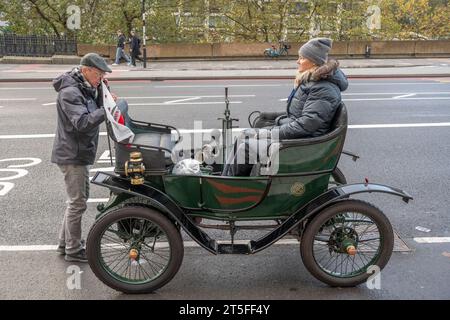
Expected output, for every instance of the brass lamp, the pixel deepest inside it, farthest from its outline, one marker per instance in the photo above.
(135, 168)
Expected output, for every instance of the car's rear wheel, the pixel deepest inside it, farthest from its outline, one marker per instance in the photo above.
(345, 242)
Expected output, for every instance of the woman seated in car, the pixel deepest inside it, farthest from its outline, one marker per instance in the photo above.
(310, 107)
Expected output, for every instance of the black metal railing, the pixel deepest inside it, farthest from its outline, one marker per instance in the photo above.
(36, 46)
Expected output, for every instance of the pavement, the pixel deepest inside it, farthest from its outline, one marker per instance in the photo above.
(236, 69)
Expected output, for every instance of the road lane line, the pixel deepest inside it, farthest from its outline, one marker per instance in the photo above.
(18, 99)
(391, 93)
(182, 100)
(404, 96)
(396, 99)
(352, 83)
(31, 88)
(187, 244)
(107, 169)
(354, 126)
(27, 136)
(225, 85)
(432, 239)
(28, 248)
(97, 200)
(399, 98)
(198, 96)
(50, 87)
(183, 103)
(399, 125)
(49, 104)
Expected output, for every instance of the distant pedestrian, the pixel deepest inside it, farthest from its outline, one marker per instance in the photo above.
(135, 48)
(120, 51)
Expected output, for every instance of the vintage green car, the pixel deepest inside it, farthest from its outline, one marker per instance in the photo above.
(135, 244)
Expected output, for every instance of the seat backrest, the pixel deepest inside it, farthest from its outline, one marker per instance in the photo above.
(313, 154)
(340, 117)
(338, 127)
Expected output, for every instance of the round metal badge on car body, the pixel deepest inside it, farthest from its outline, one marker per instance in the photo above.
(298, 189)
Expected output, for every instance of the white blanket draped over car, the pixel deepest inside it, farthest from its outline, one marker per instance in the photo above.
(113, 114)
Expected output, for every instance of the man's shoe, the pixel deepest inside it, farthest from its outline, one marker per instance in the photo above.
(62, 249)
(79, 256)
(115, 64)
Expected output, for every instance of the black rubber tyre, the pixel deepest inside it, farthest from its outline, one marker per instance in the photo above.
(135, 226)
(338, 177)
(341, 218)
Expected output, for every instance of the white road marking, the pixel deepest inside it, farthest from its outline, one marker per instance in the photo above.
(395, 99)
(403, 96)
(107, 169)
(18, 99)
(6, 187)
(30, 88)
(31, 162)
(105, 156)
(97, 200)
(399, 125)
(181, 97)
(432, 240)
(187, 244)
(223, 86)
(354, 126)
(27, 136)
(393, 93)
(178, 102)
(28, 248)
(50, 87)
(284, 85)
(182, 100)
(19, 173)
(183, 103)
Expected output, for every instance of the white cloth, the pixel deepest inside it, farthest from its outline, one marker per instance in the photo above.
(187, 167)
(113, 113)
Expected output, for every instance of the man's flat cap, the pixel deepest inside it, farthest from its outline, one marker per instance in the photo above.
(94, 60)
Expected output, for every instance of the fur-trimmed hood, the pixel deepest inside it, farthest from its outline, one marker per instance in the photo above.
(330, 72)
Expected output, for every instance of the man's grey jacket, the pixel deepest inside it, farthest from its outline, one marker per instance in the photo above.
(79, 117)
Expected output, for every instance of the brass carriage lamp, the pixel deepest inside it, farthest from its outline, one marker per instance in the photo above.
(135, 168)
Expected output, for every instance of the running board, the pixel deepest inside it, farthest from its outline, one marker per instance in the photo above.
(236, 248)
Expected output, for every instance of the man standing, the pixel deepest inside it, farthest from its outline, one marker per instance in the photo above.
(120, 52)
(135, 48)
(75, 145)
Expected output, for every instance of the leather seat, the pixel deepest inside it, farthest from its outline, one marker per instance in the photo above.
(154, 139)
(147, 140)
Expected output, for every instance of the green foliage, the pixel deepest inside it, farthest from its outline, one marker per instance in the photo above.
(416, 19)
(207, 21)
